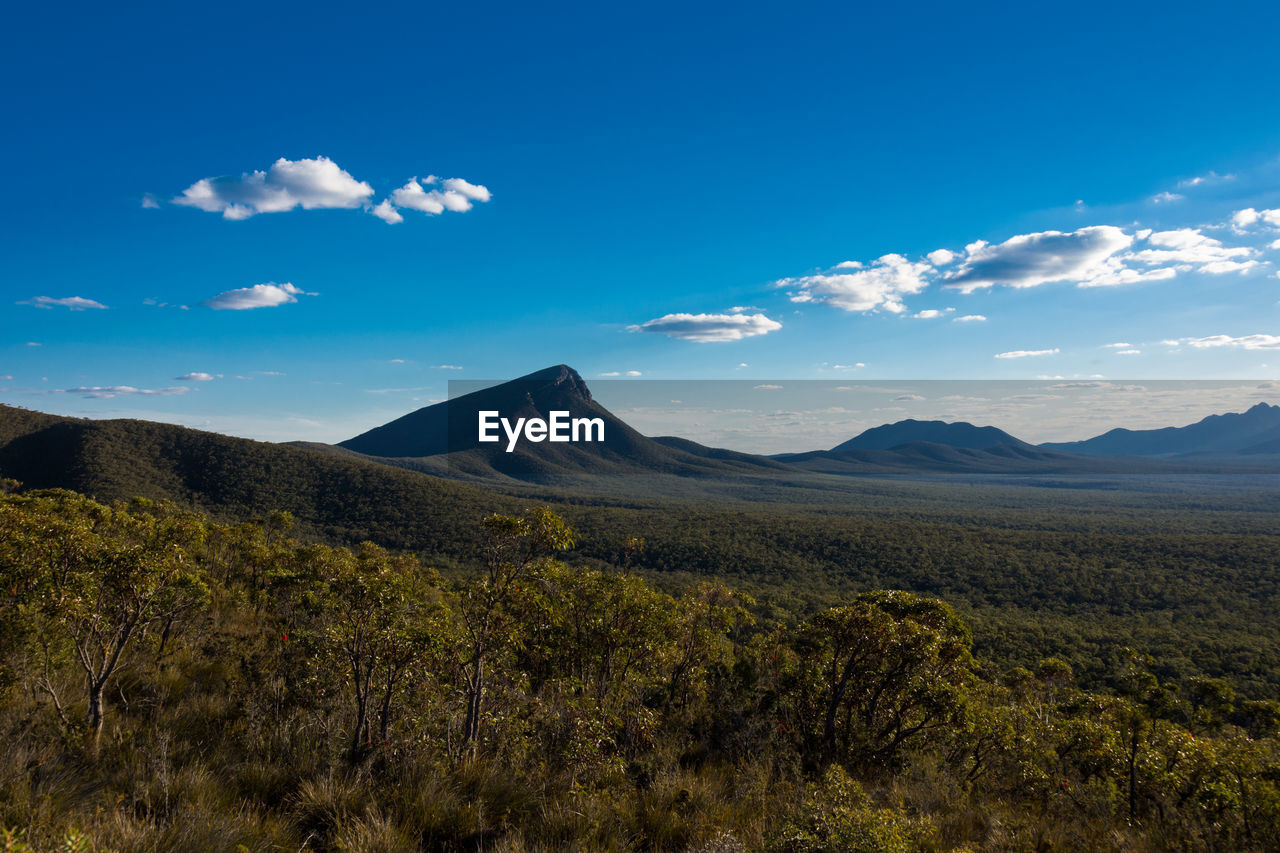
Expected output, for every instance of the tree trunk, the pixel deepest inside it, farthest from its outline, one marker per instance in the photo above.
(475, 695)
(1133, 771)
(93, 737)
(361, 729)
(384, 723)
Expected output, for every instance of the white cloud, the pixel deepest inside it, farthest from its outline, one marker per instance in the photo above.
(1028, 260)
(386, 211)
(195, 377)
(1252, 342)
(455, 194)
(266, 295)
(75, 303)
(1027, 353)
(414, 197)
(1113, 272)
(473, 192)
(634, 373)
(970, 318)
(1188, 246)
(1129, 352)
(881, 285)
(941, 257)
(908, 398)
(395, 361)
(446, 367)
(311, 184)
(1120, 345)
(106, 392)
(709, 328)
(1166, 197)
(149, 202)
(1210, 178)
(854, 366)
(1220, 267)
(931, 313)
(394, 390)
(1244, 218)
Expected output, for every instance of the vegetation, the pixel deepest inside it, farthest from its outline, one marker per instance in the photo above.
(172, 682)
(1088, 571)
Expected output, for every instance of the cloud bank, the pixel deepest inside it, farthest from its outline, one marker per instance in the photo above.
(1091, 256)
(709, 328)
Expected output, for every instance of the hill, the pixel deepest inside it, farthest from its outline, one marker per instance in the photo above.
(335, 497)
(910, 431)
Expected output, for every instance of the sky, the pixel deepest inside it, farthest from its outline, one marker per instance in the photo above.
(290, 221)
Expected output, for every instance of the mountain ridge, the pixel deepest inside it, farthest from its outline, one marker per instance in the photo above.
(1245, 432)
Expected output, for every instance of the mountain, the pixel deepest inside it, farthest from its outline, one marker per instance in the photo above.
(451, 428)
(1256, 431)
(910, 431)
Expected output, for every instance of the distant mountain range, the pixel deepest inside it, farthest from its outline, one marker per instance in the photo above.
(357, 484)
(1253, 432)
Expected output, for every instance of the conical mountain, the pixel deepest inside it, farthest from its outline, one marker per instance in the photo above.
(452, 427)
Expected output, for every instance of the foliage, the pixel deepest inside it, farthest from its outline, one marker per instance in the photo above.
(273, 693)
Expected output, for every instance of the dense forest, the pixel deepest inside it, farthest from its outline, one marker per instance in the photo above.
(568, 681)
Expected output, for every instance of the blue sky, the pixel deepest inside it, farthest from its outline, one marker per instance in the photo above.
(610, 183)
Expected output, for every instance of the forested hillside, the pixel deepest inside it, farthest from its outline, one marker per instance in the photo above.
(173, 683)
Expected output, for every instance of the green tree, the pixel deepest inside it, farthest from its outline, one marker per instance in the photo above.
(515, 549)
(877, 673)
(371, 621)
(102, 578)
